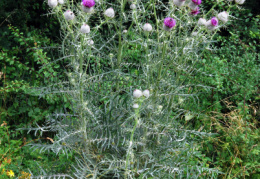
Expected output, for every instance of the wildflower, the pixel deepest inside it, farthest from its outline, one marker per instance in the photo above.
(110, 13)
(137, 93)
(202, 21)
(147, 27)
(212, 24)
(195, 12)
(52, 3)
(135, 106)
(125, 31)
(132, 6)
(197, 2)
(69, 15)
(88, 3)
(146, 93)
(169, 23)
(240, 1)
(223, 16)
(179, 3)
(10, 173)
(85, 29)
(61, 1)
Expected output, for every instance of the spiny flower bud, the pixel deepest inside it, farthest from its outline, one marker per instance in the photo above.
(132, 6)
(179, 3)
(90, 42)
(85, 29)
(61, 1)
(212, 24)
(147, 27)
(195, 12)
(136, 106)
(223, 16)
(69, 15)
(169, 23)
(202, 21)
(240, 1)
(146, 93)
(87, 9)
(52, 3)
(110, 13)
(88, 3)
(137, 93)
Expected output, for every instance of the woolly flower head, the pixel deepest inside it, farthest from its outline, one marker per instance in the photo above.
(212, 24)
(88, 3)
(197, 2)
(240, 1)
(69, 15)
(135, 106)
(85, 29)
(195, 11)
(52, 3)
(61, 1)
(132, 6)
(146, 93)
(137, 93)
(214, 21)
(202, 21)
(223, 16)
(90, 42)
(179, 3)
(110, 13)
(168, 23)
(147, 27)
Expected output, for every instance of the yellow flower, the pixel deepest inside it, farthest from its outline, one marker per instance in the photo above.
(10, 173)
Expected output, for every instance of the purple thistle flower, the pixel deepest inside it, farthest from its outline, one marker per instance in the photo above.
(197, 2)
(214, 21)
(169, 22)
(195, 12)
(88, 3)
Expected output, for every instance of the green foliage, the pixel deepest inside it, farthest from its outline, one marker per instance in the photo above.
(236, 149)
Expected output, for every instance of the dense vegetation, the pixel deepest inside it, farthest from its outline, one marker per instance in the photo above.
(29, 42)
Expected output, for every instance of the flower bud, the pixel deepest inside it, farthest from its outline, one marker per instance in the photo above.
(146, 93)
(61, 1)
(240, 1)
(169, 23)
(179, 3)
(147, 27)
(136, 106)
(110, 13)
(90, 42)
(202, 21)
(125, 31)
(137, 93)
(52, 3)
(212, 24)
(132, 6)
(223, 16)
(69, 15)
(85, 29)
(88, 3)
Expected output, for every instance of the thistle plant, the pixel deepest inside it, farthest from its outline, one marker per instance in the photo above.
(125, 118)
